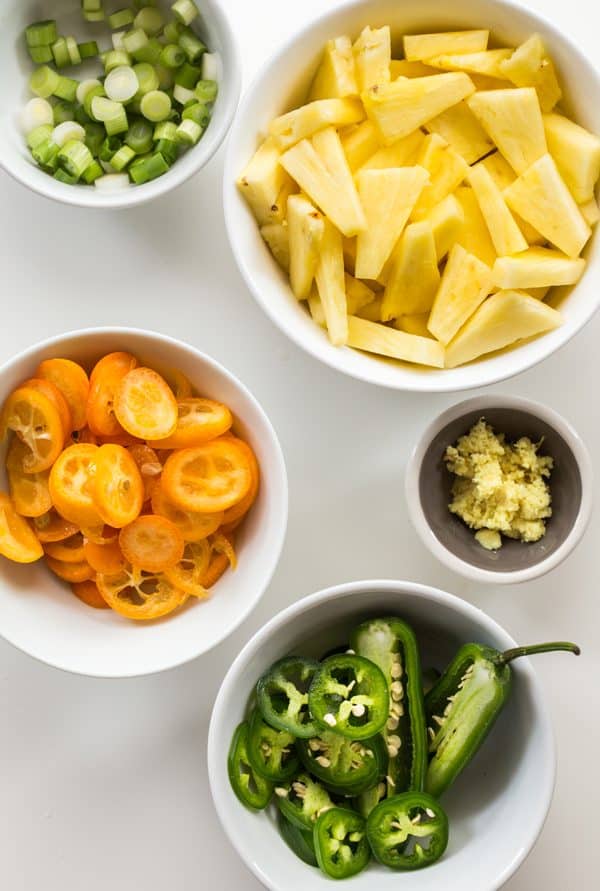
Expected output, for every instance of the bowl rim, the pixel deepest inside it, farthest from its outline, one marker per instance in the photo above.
(278, 470)
(422, 526)
(178, 174)
(216, 762)
(325, 352)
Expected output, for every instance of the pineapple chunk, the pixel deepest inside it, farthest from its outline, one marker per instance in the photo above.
(400, 154)
(461, 129)
(513, 120)
(538, 293)
(404, 68)
(447, 220)
(447, 170)
(305, 229)
(375, 338)
(358, 295)
(504, 318)
(400, 107)
(488, 63)
(577, 155)
(530, 66)
(541, 197)
(316, 308)
(413, 324)
(500, 170)
(465, 284)
(303, 122)
(415, 276)
(262, 182)
(371, 312)
(474, 236)
(331, 284)
(506, 235)
(360, 144)
(537, 268)
(335, 77)
(423, 46)
(276, 237)
(590, 212)
(324, 188)
(372, 57)
(349, 249)
(483, 83)
(387, 198)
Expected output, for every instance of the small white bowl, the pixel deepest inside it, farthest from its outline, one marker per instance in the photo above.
(283, 84)
(428, 485)
(16, 68)
(40, 615)
(496, 808)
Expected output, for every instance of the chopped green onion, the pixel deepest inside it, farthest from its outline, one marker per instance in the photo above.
(63, 111)
(121, 159)
(91, 173)
(172, 56)
(191, 45)
(149, 20)
(89, 98)
(140, 136)
(135, 40)
(64, 177)
(39, 135)
(117, 40)
(120, 19)
(210, 66)
(44, 81)
(88, 50)
(41, 33)
(41, 54)
(185, 11)
(66, 89)
(94, 137)
(172, 31)
(110, 146)
(150, 52)
(74, 157)
(165, 130)
(36, 113)
(121, 84)
(156, 106)
(166, 77)
(118, 124)
(183, 95)
(45, 154)
(94, 16)
(116, 59)
(147, 78)
(140, 3)
(60, 51)
(84, 87)
(150, 168)
(81, 116)
(103, 109)
(206, 90)
(112, 182)
(189, 132)
(197, 112)
(92, 10)
(73, 51)
(68, 131)
(188, 76)
(169, 149)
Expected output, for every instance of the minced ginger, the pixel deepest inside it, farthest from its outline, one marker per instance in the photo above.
(501, 488)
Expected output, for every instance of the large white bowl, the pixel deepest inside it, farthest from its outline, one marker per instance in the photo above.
(283, 84)
(496, 808)
(40, 615)
(16, 68)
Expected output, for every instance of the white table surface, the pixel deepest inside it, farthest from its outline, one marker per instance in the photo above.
(104, 784)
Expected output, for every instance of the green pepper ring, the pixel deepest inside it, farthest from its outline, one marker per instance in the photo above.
(394, 820)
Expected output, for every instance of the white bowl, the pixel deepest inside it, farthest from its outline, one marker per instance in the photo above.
(496, 808)
(38, 613)
(428, 484)
(16, 68)
(283, 84)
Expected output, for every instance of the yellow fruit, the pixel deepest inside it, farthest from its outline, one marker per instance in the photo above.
(371, 311)
(537, 268)
(465, 284)
(506, 235)
(504, 318)
(335, 77)
(530, 66)
(447, 169)
(330, 277)
(375, 338)
(474, 235)
(305, 231)
(500, 170)
(446, 219)
(488, 63)
(423, 46)
(513, 120)
(372, 57)
(413, 324)
(360, 144)
(461, 129)
(404, 68)
(414, 277)
(401, 153)
(576, 152)
(263, 181)
(277, 239)
(590, 212)
(304, 122)
(358, 294)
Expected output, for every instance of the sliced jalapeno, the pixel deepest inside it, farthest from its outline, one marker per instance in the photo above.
(302, 801)
(271, 752)
(346, 766)
(300, 841)
(282, 696)
(341, 843)
(370, 798)
(349, 694)
(408, 831)
(252, 790)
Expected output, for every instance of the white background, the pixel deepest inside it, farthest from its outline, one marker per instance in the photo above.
(103, 784)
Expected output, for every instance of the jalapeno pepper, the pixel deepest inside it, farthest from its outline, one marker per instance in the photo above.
(349, 694)
(397, 829)
(300, 841)
(252, 790)
(302, 801)
(346, 766)
(366, 801)
(341, 843)
(391, 644)
(271, 752)
(282, 696)
(464, 704)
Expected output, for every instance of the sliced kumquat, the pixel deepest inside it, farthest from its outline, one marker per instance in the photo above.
(70, 572)
(208, 478)
(221, 544)
(106, 558)
(73, 383)
(145, 405)
(104, 381)
(148, 465)
(101, 535)
(17, 540)
(234, 514)
(140, 595)
(118, 486)
(188, 573)
(71, 550)
(83, 436)
(56, 398)
(72, 485)
(36, 421)
(219, 563)
(89, 594)
(193, 526)
(179, 383)
(52, 527)
(152, 543)
(29, 491)
(198, 421)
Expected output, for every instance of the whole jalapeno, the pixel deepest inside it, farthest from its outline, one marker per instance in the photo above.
(302, 801)
(271, 752)
(282, 696)
(398, 827)
(300, 841)
(251, 789)
(349, 694)
(347, 767)
(341, 843)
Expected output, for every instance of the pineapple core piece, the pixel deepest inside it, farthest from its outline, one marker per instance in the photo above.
(415, 276)
(488, 63)
(418, 47)
(375, 338)
(461, 129)
(372, 56)
(335, 77)
(331, 284)
(305, 229)
(290, 128)
(465, 284)
(530, 66)
(262, 182)
(513, 120)
(504, 318)
(506, 235)
(537, 268)
(576, 152)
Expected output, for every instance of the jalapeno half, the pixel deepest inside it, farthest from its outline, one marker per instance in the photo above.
(302, 801)
(252, 790)
(408, 831)
(349, 694)
(300, 841)
(341, 843)
(346, 766)
(271, 752)
(282, 696)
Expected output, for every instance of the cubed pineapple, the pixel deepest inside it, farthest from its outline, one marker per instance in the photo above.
(375, 338)
(418, 47)
(331, 284)
(503, 319)
(263, 181)
(465, 284)
(387, 198)
(576, 152)
(537, 268)
(303, 122)
(372, 56)
(335, 77)
(541, 197)
(530, 66)
(506, 235)
(461, 129)
(360, 144)
(404, 68)
(513, 120)
(414, 277)
(402, 106)
(447, 220)
(447, 169)
(488, 63)
(413, 324)
(590, 212)
(401, 153)
(305, 229)
(276, 237)
(474, 235)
